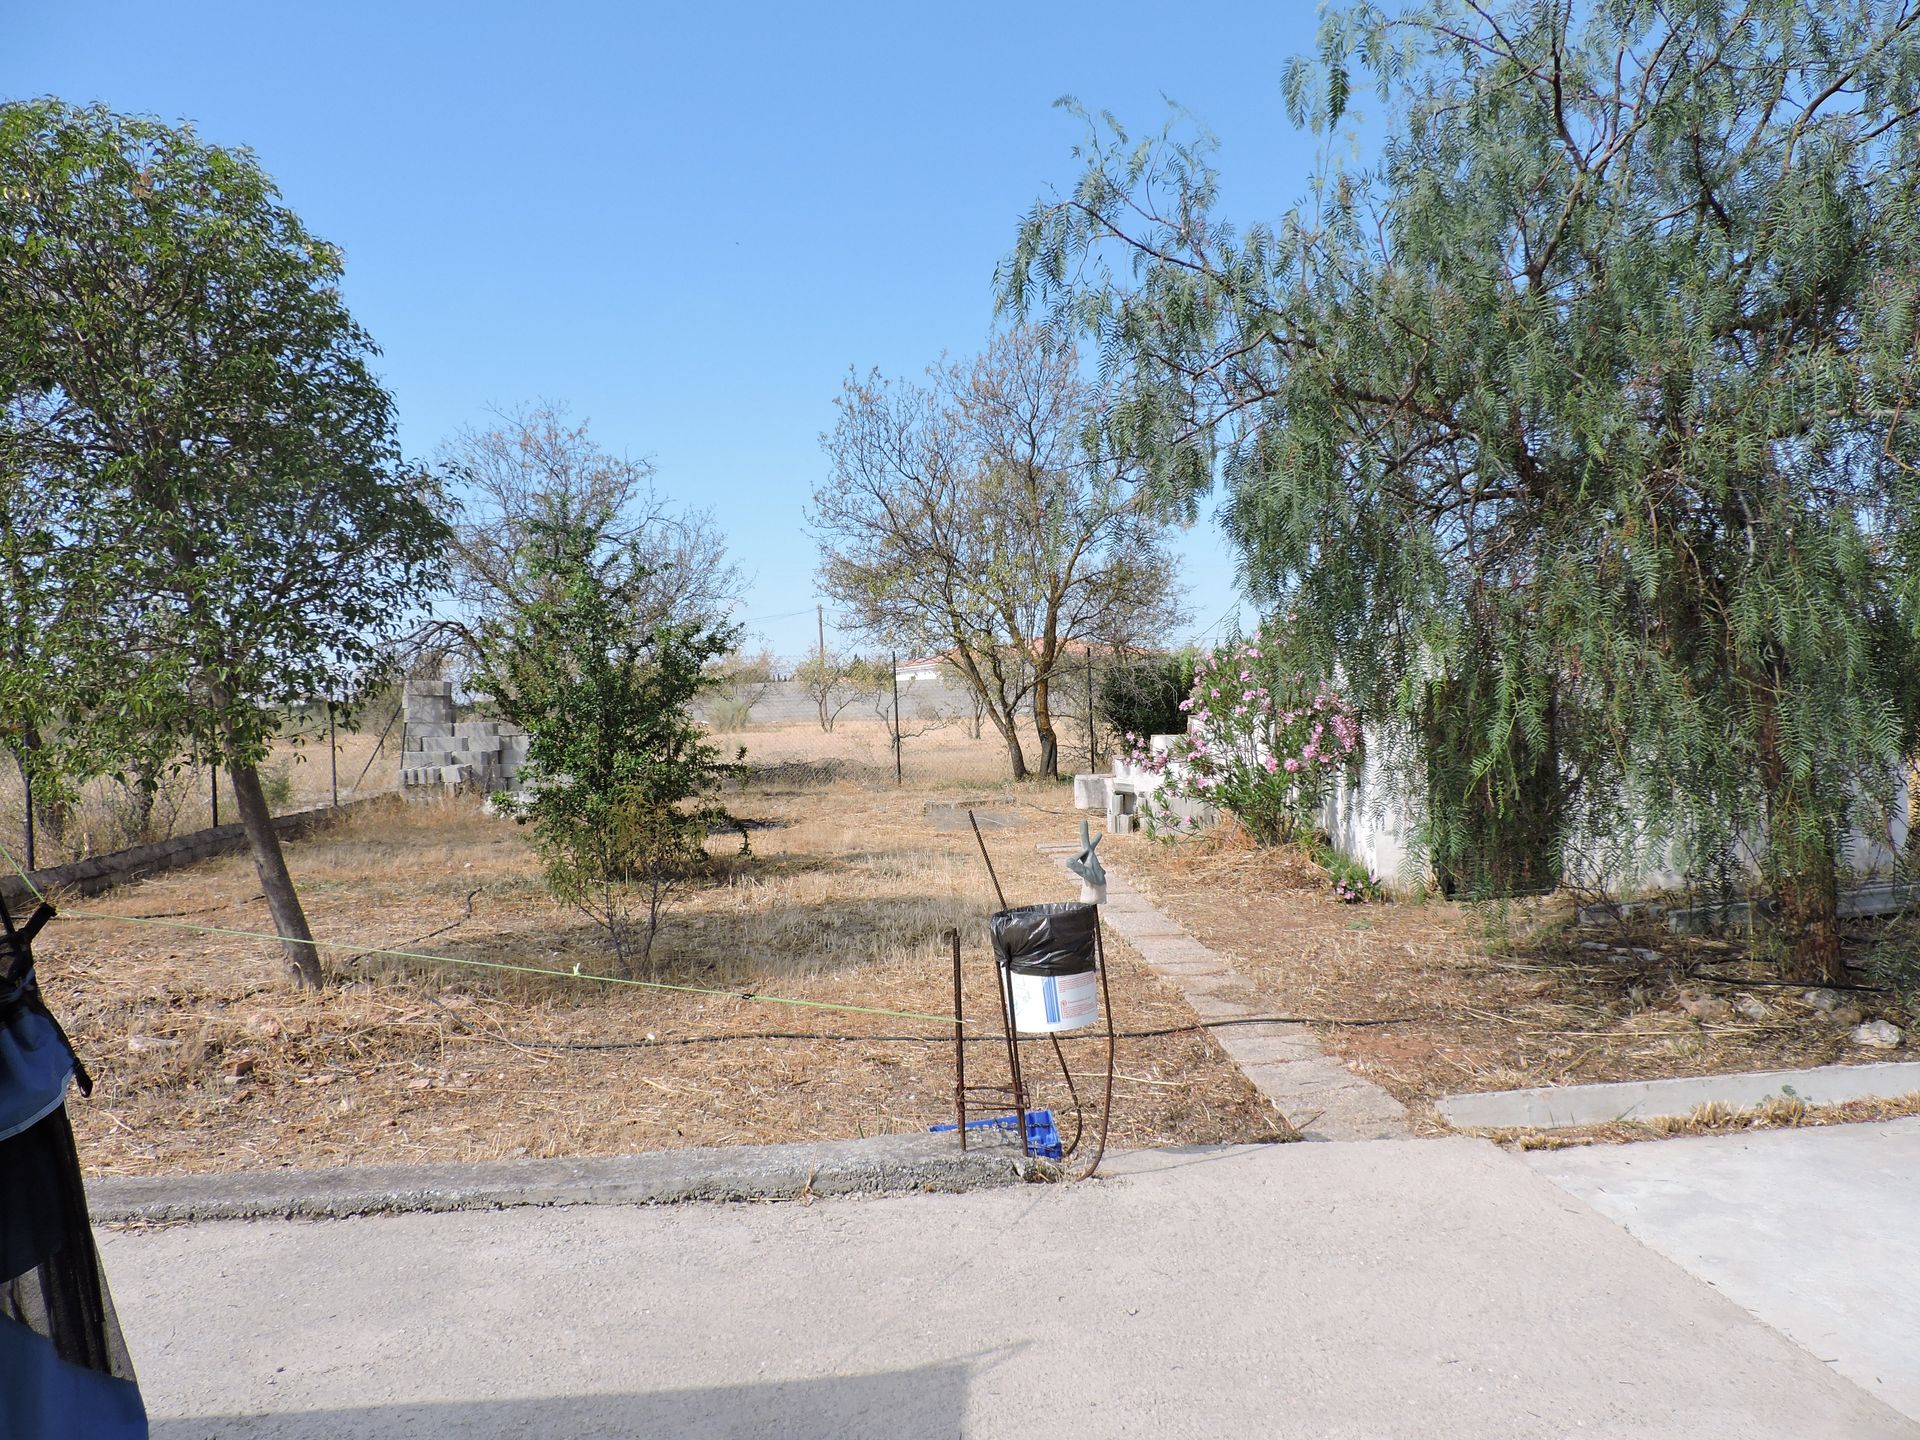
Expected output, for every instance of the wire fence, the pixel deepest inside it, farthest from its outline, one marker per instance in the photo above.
(907, 723)
(911, 723)
(316, 759)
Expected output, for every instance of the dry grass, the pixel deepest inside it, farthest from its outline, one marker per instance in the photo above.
(206, 1061)
(932, 754)
(1489, 1000)
(1778, 1113)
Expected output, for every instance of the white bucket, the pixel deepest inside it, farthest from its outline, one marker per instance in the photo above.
(1046, 1003)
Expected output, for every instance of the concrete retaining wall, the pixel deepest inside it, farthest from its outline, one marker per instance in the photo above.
(102, 872)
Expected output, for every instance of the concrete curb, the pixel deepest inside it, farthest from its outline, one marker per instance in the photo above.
(1549, 1107)
(871, 1166)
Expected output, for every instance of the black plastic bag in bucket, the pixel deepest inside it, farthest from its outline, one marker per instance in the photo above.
(1046, 953)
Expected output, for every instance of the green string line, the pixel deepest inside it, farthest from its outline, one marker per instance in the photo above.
(477, 964)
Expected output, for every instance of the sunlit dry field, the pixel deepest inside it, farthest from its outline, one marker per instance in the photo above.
(206, 1060)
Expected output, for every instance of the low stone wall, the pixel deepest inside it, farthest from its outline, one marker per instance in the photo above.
(102, 872)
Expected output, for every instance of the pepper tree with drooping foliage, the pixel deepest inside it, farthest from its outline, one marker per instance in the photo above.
(220, 525)
(619, 782)
(1578, 431)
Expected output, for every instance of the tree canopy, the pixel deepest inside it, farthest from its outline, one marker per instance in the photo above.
(536, 470)
(968, 518)
(199, 452)
(1578, 430)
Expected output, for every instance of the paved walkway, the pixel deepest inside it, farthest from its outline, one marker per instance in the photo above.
(1815, 1230)
(1430, 1288)
(1323, 1098)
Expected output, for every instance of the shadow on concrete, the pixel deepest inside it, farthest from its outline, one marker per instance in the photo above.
(928, 1403)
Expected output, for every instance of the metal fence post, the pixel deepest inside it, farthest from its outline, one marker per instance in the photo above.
(333, 756)
(27, 780)
(1093, 758)
(213, 789)
(894, 662)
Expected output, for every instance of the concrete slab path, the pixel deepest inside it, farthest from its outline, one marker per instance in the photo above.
(1430, 1288)
(1284, 1062)
(1815, 1230)
(1549, 1106)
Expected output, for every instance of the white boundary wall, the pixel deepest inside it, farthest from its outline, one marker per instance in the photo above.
(1368, 820)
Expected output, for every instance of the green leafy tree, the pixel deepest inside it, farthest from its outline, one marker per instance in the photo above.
(618, 783)
(213, 460)
(534, 465)
(1585, 415)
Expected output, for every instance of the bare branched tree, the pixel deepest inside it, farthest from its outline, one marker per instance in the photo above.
(533, 464)
(966, 518)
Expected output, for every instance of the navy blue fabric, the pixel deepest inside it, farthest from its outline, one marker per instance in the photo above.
(35, 1068)
(42, 1397)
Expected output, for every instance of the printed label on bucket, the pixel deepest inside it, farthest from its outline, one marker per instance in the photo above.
(1042, 1003)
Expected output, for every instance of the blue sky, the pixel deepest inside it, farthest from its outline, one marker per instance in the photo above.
(687, 222)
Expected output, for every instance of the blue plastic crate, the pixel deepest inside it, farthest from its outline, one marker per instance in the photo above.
(1043, 1136)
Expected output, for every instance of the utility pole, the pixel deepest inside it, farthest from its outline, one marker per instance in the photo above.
(820, 614)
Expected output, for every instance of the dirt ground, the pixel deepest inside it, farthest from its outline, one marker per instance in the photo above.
(1445, 998)
(206, 1060)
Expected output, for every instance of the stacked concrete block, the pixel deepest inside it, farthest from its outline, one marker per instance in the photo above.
(1090, 792)
(444, 753)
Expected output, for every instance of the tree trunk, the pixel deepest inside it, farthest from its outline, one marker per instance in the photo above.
(1808, 881)
(289, 920)
(1043, 725)
(1805, 875)
(49, 815)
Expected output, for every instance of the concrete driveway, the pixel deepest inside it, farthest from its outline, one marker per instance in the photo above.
(1392, 1288)
(1816, 1231)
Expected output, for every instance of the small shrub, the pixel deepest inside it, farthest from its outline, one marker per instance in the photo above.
(1264, 745)
(729, 714)
(1144, 698)
(276, 783)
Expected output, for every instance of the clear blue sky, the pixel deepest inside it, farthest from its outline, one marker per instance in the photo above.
(686, 221)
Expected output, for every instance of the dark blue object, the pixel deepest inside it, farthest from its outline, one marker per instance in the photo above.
(64, 1371)
(1043, 1136)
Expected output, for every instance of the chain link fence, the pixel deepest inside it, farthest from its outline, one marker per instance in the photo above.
(912, 723)
(316, 759)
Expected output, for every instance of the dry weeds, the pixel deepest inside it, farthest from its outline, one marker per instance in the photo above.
(1777, 1113)
(207, 1061)
(1489, 999)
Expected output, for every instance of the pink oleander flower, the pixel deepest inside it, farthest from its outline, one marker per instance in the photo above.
(1246, 675)
(1272, 764)
(1187, 704)
(1292, 764)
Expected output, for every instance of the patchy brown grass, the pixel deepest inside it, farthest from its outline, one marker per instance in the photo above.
(206, 1060)
(1490, 999)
